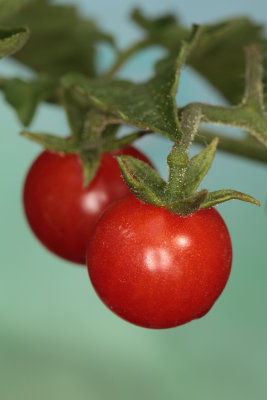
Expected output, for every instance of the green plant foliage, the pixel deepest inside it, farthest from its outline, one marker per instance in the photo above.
(220, 196)
(197, 168)
(147, 185)
(12, 40)
(61, 40)
(219, 56)
(142, 179)
(150, 105)
(142, 105)
(9, 7)
(61, 51)
(25, 96)
(52, 142)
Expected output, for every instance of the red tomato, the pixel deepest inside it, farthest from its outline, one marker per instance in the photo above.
(156, 269)
(60, 212)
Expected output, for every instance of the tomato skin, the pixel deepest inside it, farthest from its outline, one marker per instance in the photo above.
(59, 210)
(156, 269)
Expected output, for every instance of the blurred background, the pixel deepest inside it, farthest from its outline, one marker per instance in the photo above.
(57, 340)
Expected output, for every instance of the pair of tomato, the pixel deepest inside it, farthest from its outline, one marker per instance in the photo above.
(152, 268)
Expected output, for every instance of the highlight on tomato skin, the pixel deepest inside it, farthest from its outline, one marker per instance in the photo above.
(156, 269)
(60, 212)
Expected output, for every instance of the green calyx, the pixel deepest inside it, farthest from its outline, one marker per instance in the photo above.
(180, 198)
(92, 134)
(179, 194)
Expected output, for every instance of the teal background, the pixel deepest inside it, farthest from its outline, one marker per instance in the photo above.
(57, 340)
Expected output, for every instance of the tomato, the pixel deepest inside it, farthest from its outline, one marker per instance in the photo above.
(59, 210)
(156, 269)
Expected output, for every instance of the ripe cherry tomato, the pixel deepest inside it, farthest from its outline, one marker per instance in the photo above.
(59, 210)
(156, 269)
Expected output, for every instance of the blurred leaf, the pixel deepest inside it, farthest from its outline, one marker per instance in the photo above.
(8, 7)
(150, 105)
(91, 140)
(24, 97)
(61, 40)
(12, 40)
(219, 57)
(76, 113)
(165, 31)
(152, 24)
(90, 163)
(52, 142)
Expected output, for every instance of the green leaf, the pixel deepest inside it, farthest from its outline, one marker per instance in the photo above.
(9, 7)
(220, 196)
(198, 167)
(12, 40)
(152, 25)
(61, 40)
(188, 205)
(164, 31)
(24, 97)
(142, 180)
(149, 105)
(219, 56)
(75, 111)
(52, 142)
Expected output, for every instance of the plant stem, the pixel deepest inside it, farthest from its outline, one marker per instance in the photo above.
(243, 116)
(124, 56)
(245, 148)
(253, 95)
(178, 157)
(190, 120)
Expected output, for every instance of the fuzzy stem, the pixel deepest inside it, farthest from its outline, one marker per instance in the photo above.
(245, 148)
(253, 95)
(178, 157)
(243, 116)
(190, 120)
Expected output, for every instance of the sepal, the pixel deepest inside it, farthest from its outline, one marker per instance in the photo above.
(90, 163)
(188, 205)
(198, 167)
(52, 142)
(142, 180)
(220, 196)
